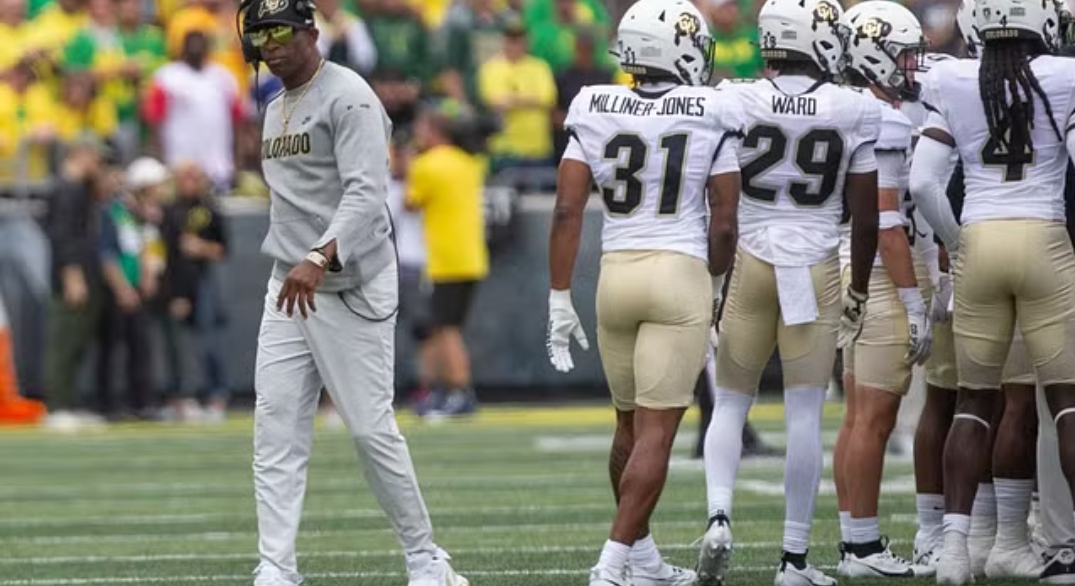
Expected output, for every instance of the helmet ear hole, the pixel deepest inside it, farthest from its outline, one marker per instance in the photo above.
(688, 58)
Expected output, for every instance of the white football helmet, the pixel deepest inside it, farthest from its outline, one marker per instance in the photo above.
(880, 31)
(967, 24)
(1020, 19)
(666, 38)
(803, 30)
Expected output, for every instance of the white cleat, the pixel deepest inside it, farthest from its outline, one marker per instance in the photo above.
(882, 564)
(667, 575)
(438, 572)
(600, 576)
(978, 547)
(1059, 568)
(956, 566)
(716, 552)
(927, 550)
(788, 575)
(1019, 562)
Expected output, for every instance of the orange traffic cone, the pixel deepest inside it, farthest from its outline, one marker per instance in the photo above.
(13, 408)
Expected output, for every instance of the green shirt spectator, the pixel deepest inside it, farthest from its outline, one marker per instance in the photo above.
(735, 54)
(553, 25)
(473, 31)
(401, 39)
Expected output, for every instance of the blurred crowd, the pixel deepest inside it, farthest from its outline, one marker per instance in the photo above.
(130, 119)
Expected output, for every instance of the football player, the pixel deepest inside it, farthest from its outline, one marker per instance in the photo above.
(809, 142)
(885, 47)
(653, 150)
(1010, 118)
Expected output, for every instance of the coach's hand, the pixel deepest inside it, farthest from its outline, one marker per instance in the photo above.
(563, 324)
(851, 320)
(300, 287)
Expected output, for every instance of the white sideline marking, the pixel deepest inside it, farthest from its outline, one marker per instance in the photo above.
(318, 576)
(901, 485)
(252, 556)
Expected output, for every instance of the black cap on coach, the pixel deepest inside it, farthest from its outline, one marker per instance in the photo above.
(266, 13)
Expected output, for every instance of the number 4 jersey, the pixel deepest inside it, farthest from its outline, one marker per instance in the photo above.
(651, 154)
(1002, 184)
(803, 137)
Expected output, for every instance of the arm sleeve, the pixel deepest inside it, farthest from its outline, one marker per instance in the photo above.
(927, 168)
(890, 165)
(361, 150)
(733, 121)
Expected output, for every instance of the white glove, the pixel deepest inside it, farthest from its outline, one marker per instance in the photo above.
(563, 324)
(939, 311)
(919, 330)
(714, 329)
(851, 320)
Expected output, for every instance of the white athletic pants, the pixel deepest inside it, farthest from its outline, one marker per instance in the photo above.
(352, 358)
(1057, 523)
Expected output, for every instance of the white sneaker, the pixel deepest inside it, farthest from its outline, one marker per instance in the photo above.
(269, 575)
(979, 544)
(882, 564)
(62, 421)
(927, 550)
(667, 575)
(1060, 568)
(600, 576)
(1018, 562)
(956, 566)
(438, 572)
(716, 552)
(788, 575)
(841, 566)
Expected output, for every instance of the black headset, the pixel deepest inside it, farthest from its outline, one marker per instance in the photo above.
(251, 54)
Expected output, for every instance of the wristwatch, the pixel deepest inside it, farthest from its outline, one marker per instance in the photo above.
(318, 258)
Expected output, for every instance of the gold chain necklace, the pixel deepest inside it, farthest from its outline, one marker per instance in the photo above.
(287, 115)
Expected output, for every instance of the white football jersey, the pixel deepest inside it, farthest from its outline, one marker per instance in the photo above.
(651, 155)
(893, 150)
(803, 137)
(1002, 185)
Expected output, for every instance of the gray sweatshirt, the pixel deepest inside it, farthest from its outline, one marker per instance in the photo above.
(328, 177)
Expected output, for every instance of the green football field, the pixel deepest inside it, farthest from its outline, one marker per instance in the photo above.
(519, 497)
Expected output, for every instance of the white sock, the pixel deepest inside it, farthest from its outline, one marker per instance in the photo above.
(956, 523)
(865, 530)
(1013, 506)
(724, 447)
(984, 512)
(930, 516)
(614, 557)
(803, 464)
(796, 537)
(644, 554)
(845, 526)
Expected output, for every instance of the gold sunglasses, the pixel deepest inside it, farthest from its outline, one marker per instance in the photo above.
(281, 34)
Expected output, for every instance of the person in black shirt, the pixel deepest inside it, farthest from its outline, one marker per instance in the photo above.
(195, 241)
(71, 226)
(569, 82)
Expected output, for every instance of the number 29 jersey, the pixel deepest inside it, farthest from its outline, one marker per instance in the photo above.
(1002, 184)
(802, 139)
(651, 155)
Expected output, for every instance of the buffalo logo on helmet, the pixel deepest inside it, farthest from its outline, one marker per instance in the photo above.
(687, 25)
(873, 28)
(825, 12)
(271, 7)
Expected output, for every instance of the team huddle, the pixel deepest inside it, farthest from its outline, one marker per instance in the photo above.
(904, 207)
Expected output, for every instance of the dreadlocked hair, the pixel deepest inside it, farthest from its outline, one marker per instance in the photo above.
(1005, 70)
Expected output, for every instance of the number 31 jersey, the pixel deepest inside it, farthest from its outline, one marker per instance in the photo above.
(802, 139)
(651, 155)
(1002, 184)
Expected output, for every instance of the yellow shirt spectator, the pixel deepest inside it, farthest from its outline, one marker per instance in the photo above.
(447, 184)
(21, 117)
(53, 29)
(11, 50)
(523, 90)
